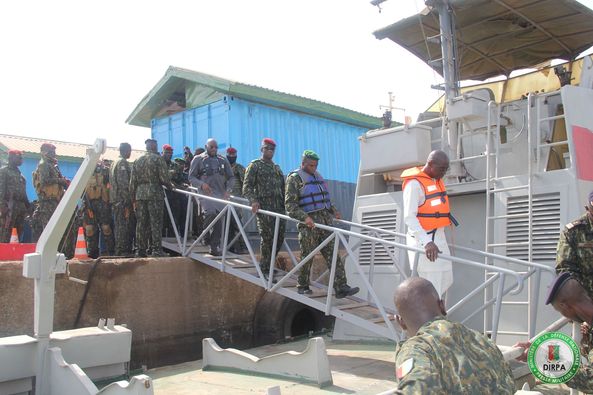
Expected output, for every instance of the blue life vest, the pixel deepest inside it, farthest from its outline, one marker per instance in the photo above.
(314, 195)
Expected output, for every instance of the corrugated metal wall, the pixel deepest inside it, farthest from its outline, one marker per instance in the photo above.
(68, 169)
(243, 124)
(193, 127)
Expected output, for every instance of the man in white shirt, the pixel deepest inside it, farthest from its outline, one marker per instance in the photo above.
(426, 214)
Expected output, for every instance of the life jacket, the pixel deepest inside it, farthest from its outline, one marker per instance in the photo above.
(313, 195)
(434, 212)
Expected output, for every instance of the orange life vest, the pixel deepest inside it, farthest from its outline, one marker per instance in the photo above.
(434, 212)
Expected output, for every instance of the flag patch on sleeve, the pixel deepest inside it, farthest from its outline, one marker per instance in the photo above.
(404, 368)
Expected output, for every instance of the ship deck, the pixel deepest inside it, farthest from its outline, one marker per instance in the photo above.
(361, 368)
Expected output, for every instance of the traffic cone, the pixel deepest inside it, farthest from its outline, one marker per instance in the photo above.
(80, 251)
(14, 237)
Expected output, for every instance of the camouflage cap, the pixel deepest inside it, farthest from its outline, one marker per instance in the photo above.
(556, 285)
(310, 154)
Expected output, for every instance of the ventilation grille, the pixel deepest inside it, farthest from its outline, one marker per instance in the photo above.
(546, 227)
(387, 220)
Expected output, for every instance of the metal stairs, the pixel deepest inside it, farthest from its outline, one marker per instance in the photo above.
(363, 310)
(352, 309)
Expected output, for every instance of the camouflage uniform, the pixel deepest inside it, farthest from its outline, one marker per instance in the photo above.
(149, 174)
(13, 200)
(50, 185)
(575, 252)
(446, 357)
(309, 239)
(96, 216)
(175, 199)
(583, 380)
(264, 184)
(239, 173)
(123, 212)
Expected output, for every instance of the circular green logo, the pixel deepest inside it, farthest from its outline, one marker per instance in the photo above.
(554, 358)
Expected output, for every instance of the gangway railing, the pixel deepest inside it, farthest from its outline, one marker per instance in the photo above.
(532, 269)
(349, 240)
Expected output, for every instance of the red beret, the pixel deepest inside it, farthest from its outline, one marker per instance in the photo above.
(47, 146)
(231, 150)
(167, 147)
(268, 141)
(15, 152)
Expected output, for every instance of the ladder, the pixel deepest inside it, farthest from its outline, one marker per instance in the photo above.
(495, 185)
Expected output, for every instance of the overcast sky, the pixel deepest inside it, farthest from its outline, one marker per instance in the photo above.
(75, 70)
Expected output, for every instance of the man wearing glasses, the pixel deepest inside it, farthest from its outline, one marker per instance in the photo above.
(426, 214)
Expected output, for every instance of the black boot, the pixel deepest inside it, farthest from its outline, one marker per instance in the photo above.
(346, 290)
(304, 290)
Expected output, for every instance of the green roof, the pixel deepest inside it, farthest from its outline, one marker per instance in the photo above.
(181, 85)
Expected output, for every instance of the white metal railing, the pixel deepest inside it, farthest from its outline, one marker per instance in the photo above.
(346, 239)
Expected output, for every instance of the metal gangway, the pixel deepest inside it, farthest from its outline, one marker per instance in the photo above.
(363, 310)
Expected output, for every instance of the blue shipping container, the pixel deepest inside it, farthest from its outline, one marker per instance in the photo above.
(244, 124)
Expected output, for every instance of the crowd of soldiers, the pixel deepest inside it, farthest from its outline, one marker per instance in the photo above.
(123, 205)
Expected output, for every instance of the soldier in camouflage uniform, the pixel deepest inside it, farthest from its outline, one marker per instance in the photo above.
(575, 249)
(96, 217)
(441, 356)
(264, 188)
(175, 199)
(571, 299)
(14, 203)
(149, 175)
(123, 213)
(50, 185)
(239, 172)
(212, 175)
(308, 200)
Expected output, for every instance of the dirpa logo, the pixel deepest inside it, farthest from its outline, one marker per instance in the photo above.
(553, 358)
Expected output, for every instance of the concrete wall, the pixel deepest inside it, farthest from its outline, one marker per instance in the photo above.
(170, 304)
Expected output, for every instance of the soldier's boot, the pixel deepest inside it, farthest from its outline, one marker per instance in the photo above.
(140, 254)
(346, 290)
(304, 290)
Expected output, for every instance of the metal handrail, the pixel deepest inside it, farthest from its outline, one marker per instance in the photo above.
(340, 236)
(362, 236)
(461, 248)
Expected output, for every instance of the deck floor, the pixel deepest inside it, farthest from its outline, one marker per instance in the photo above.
(356, 369)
